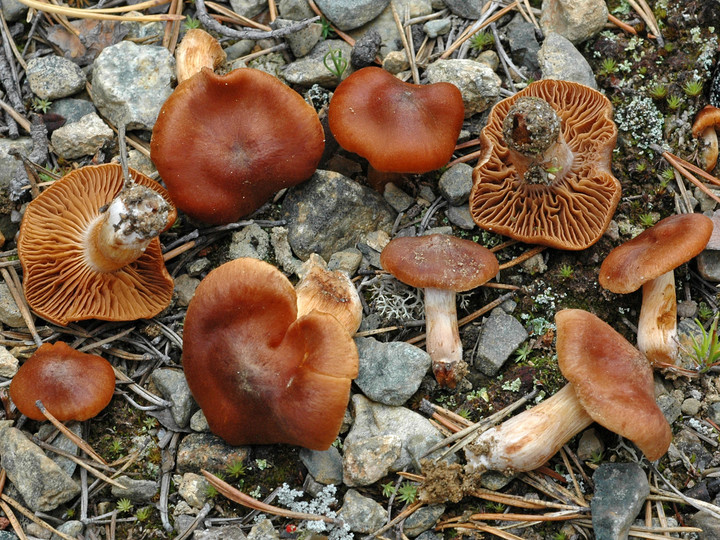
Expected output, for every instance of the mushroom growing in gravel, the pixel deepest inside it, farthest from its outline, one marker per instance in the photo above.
(649, 261)
(704, 127)
(89, 248)
(224, 144)
(260, 373)
(197, 50)
(441, 265)
(610, 382)
(545, 175)
(72, 385)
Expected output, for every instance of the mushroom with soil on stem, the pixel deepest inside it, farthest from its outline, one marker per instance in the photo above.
(649, 261)
(89, 249)
(398, 127)
(224, 144)
(441, 265)
(610, 382)
(704, 127)
(545, 175)
(260, 373)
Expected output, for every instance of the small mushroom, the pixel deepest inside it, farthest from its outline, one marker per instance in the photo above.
(197, 50)
(72, 385)
(704, 125)
(441, 265)
(397, 126)
(224, 144)
(610, 382)
(545, 176)
(89, 248)
(649, 261)
(260, 373)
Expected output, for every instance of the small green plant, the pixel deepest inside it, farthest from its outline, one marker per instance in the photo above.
(124, 505)
(674, 102)
(481, 40)
(596, 458)
(704, 311)
(191, 23)
(211, 491)
(407, 492)
(706, 351)
(388, 489)
(335, 63)
(646, 220)
(143, 513)
(658, 91)
(464, 413)
(693, 88)
(41, 105)
(495, 507)
(327, 29)
(523, 352)
(262, 464)
(608, 66)
(566, 271)
(668, 174)
(236, 469)
(149, 423)
(560, 536)
(116, 447)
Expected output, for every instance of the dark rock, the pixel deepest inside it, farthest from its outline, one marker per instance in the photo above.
(708, 523)
(423, 519)
(687, 442)
(620, 490)
(524, 46)
(205, 451)
(325, 466)
(699, 491)
(366, 49)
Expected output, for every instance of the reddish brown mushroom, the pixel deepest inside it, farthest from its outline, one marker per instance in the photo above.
(545, 175)
(71, 385)
(441, 265)
(224, 144)
(704, 127)
(610, 382)
(260, 374)
(89, 249)
(649, 261)
(397, 126)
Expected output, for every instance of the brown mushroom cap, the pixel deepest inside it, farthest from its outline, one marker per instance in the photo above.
(612, 380)
(707, 117)
(260, 374)
(71, 385)
(439, 261)
(225, 144)
(663, 247)
(707, 120)
(574, 210)
(397, 126)
(57, 281)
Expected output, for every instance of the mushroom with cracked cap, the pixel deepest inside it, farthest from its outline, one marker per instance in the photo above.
(89, 248)
(545, 176)
(649, 261)
(610, 382)
(441, 265)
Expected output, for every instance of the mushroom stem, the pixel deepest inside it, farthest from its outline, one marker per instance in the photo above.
(657, 325)
(122, 232)
(709, 152)
(526, 441)
(443, 337)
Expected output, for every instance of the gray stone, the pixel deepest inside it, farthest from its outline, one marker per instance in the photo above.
(9, 311)
(437, 27)
(137, 490)
(301, 41)
(351, 14)
(198, 422)
(13, 10)
(185, 289)
(199, 451)
(311, 68)
(325, 466)
(228, 532)
(524, 46)
(347, 260)
(590, 445)
(620, 491)
(63, 443)
(330, 212)
(9, 165)
(72, 109)
(193, 489)
(295, 10)
(174, 388)
(468, 9)
(8, 363)
(456, 182)
(500, 335)
(576, 20)
(72, 528)
(430, 535)
(42, 483)
(81, 138)
(263, 530)
(708, 263)
(54, 77)
(460, 216)
(362, 514)
(423, 519)
(283, 252)
(709, 524)
(478, 84)
(396, 62)
(251, 241)
(669, 406)
(369, 459)
(490, 58)
(131, 82)
(559, 59)
(691, 446)
(248, 8)
(714, 412)
(690, 407)
(397, 198)
(239, 49)
(390, 372)
(7, 535)
(365, 49)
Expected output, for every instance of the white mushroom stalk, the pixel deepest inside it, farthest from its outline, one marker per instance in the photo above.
(657, 324)
(528, 440)
(123, 231)
(442, 339)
